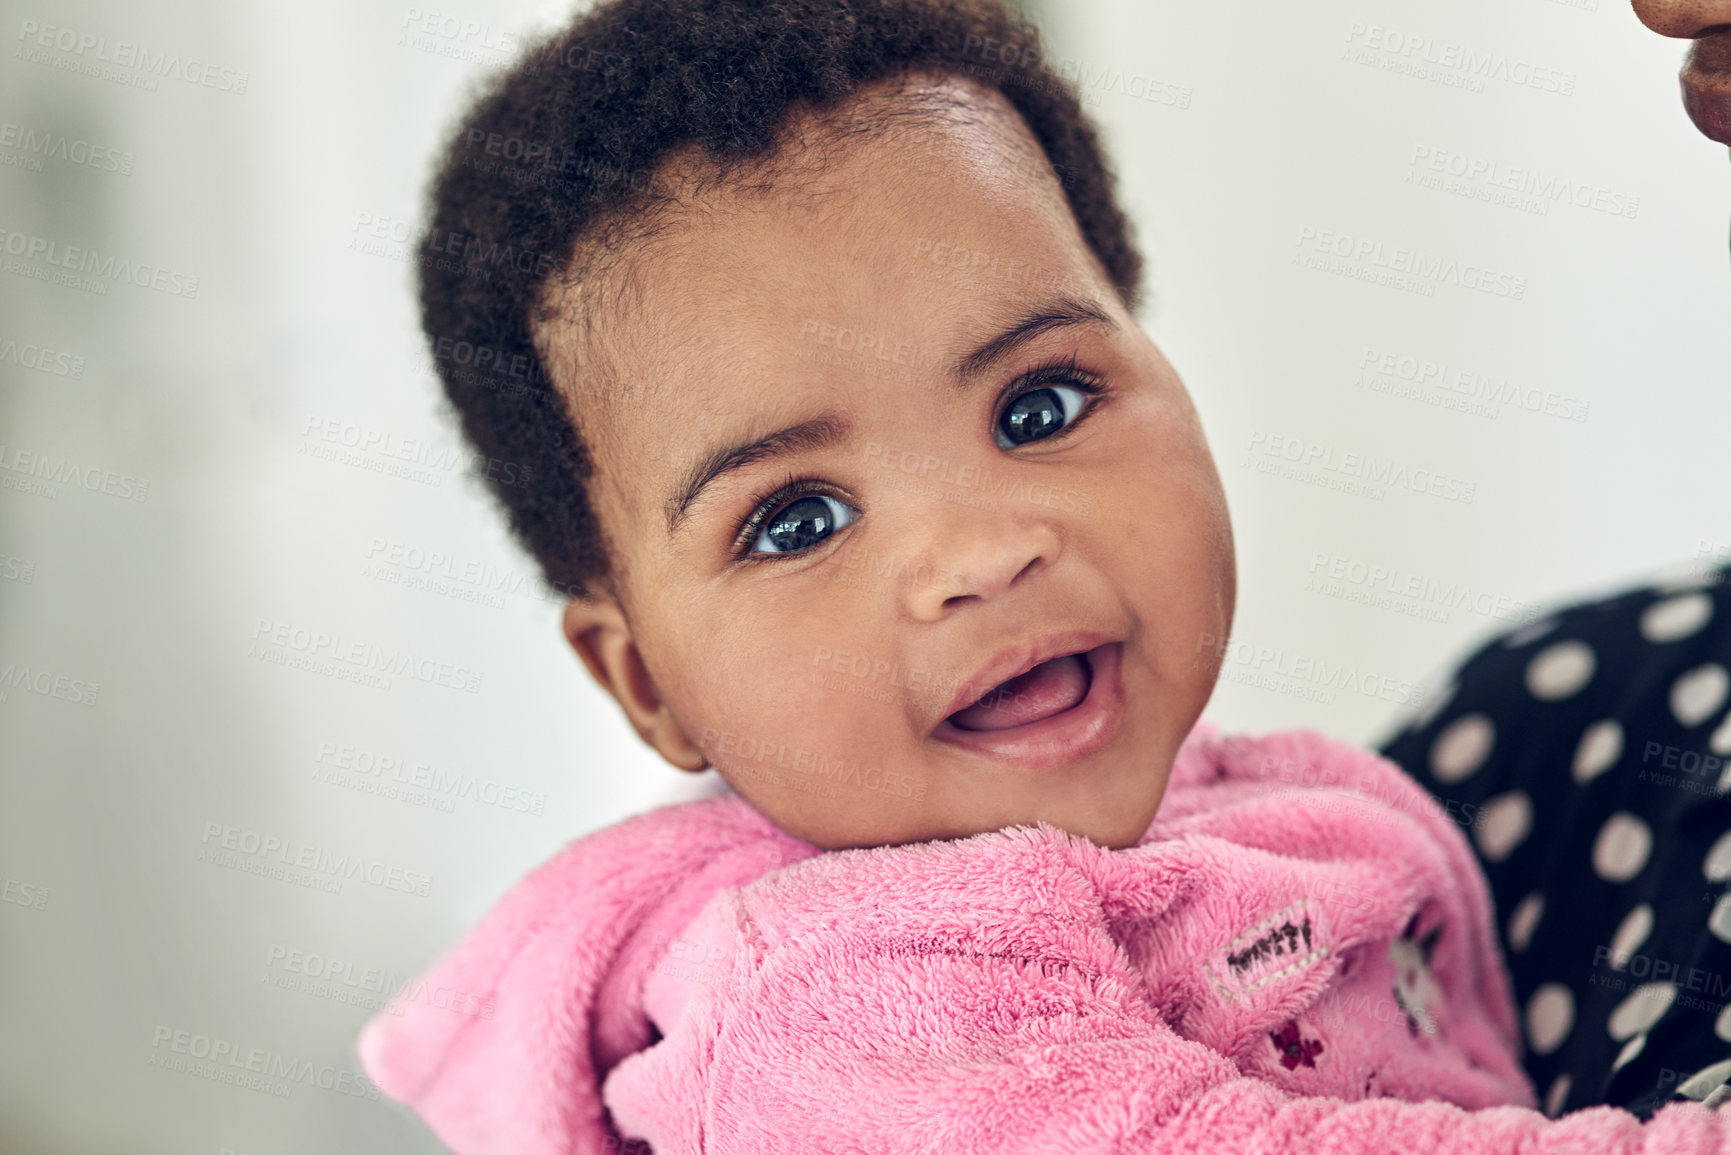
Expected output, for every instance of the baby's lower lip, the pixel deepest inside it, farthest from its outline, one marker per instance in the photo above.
(1063, 737)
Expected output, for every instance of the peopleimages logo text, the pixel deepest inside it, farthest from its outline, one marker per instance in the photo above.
(88, 261)
(59, 146)
(125, 54)
(1422, 268)
(291, 639)
(307, 856)
(227, 1061)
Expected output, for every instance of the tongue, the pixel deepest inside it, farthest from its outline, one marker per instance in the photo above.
(1049, 688)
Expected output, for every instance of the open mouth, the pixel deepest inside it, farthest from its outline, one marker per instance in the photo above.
(1059, 710)
(1049, 688)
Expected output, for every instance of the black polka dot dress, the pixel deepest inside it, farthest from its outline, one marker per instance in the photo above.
(1588, 757)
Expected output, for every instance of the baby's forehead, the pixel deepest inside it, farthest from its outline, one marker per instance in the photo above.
(895, 221)
(879, 186)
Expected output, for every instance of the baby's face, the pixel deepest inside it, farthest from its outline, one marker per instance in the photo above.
(894, 439)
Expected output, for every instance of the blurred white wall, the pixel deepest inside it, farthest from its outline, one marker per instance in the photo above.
(1245, 138)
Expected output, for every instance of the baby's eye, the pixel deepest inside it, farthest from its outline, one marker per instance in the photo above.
(1038, 413)
(802, 523)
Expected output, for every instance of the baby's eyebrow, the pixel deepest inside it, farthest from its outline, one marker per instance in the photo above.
(818, 432)
(828, 429)
(1042, 318)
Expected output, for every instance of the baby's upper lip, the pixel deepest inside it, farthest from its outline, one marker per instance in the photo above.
(1018, 659)
(1706, 83)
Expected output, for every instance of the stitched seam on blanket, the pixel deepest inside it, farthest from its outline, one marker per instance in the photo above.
(1237, 968)
(1268, 978)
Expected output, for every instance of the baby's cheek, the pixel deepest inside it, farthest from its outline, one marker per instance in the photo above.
(791, 711)
(1184, 590)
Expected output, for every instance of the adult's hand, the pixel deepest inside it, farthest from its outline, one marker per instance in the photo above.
(1706, 76)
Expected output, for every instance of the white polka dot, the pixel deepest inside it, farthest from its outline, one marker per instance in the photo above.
(1559, 670)
(1705, 1081)
(1550, 1016)
(1629, 1051)
(1722, 1024)
(1641, 1009)
(1720, 742)
(1601, 745)
(1462, 748)
(1675, 618)
(1717, 865)
(1525, 920)
(1697, 694)
(1530, 633)
(1431, 704)
(1622, 847)
(1631, 933)
(1557, 1095)
(1503, 823)
(1719, 922)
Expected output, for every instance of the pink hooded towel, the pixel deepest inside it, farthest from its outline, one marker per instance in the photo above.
(1296, 956)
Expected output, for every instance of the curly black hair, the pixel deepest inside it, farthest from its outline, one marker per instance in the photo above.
(567, 141)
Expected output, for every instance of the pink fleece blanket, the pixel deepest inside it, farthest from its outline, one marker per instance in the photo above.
(1297, 956)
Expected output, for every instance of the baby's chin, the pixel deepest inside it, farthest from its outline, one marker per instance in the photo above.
(1089, 753)
(1117, 829)
(1111, 806)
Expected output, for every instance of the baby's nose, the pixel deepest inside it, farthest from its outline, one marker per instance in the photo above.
(1684, 18)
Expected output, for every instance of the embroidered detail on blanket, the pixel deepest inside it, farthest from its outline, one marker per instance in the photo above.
(1281, 944)
(1416, 990)
(1293, 1047)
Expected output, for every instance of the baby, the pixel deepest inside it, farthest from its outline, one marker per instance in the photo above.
(812, 326)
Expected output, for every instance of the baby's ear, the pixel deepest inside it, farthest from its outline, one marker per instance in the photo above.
(585, 622)
(598, 631)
